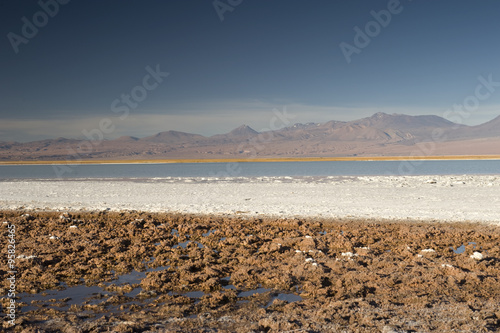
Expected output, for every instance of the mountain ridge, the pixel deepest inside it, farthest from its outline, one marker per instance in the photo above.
(379, 134)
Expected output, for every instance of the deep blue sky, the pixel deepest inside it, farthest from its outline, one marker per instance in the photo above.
(265, 54)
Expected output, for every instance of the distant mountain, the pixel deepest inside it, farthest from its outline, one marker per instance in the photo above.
(380, 134)
(398, 126)
(243, 130)
(237, 135)
(492, 127)
(486, 130)
(404, 122)
(172, 137)
(380, 126)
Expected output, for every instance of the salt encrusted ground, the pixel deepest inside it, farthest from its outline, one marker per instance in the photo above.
(444, 198)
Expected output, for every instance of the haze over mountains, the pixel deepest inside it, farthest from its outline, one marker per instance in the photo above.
(379, 135)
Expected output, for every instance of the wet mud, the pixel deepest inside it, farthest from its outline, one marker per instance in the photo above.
(143, 272)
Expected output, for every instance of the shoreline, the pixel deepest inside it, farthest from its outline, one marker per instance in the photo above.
(263, 159)
(324, 220)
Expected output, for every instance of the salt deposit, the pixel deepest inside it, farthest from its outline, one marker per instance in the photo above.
(443, 198)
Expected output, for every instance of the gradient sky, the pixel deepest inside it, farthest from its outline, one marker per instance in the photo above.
(264, 54)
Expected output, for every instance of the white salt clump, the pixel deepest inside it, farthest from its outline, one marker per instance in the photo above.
(428, 250)
(25, 257)
(348, 254)
(53, 237)
(419, 256)
(447, 266)
(477, 256)
(73, 227)
(298, 251)
(309, 259)
(314, 264)
(308, 236)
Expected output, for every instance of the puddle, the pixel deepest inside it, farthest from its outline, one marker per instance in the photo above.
(83, 294)
(229, 286)
(195, 294)
(160, 268)
(461, 248)
(290, 298)
(77, 295)
(322, 233)
(174, 232)
(185, 244)
(209, 232)
(253, 292)
(134, 292)
(94, 295)
(132, 278)
(222, 239)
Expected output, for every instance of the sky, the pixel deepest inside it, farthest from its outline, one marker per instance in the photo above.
(201, 66)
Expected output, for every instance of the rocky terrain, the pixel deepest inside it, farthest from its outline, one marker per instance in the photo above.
(379, 135)
(144, 272)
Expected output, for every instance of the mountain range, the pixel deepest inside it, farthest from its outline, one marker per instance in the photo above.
(379, 135)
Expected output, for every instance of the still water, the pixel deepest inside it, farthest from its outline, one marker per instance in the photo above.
(252, 169)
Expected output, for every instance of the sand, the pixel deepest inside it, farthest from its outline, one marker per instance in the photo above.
(429, 198)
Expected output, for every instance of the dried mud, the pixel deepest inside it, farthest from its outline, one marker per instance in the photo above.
(140, 272)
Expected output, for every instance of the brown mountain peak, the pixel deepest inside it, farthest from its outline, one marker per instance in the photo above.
(243, 130)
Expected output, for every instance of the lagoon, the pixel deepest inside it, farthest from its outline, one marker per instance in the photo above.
(252, 169)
